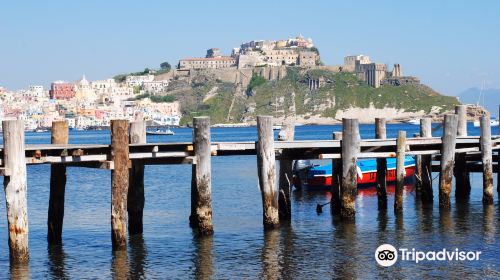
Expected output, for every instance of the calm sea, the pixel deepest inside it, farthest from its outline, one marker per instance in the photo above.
(312, 246)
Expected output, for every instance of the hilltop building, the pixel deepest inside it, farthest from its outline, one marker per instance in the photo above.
(350, 61)
(291, 52)
(133, 81)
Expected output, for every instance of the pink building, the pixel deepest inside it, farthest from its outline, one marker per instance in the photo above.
(62, 90)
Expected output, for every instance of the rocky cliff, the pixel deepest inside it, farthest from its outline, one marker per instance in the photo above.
(311, 95)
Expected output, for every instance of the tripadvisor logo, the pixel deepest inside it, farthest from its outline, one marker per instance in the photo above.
(387, 255)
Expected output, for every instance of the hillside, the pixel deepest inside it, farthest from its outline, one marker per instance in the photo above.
(342, 95)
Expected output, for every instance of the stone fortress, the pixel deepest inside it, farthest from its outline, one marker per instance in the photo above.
(269, 59)
(376, 74)
(261, 53)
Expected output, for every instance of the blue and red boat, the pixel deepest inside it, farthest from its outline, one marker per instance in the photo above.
(320, 176)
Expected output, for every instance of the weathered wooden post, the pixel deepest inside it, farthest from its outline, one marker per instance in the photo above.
(285, 173)
(498, 159)
(426, 160)
(400, 170)
(201, 183)
(266, 167)
(15, 188)
(447, 159)
(119, 183)
(487, 159)
(418, 170)
(381, 133)
(60, 135)
(462, 178)
(350, 150)
(135, 197)
(336, 179)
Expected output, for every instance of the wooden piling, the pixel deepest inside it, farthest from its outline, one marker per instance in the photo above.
(381, 133)
(447, 159)
(60, 135)
(336, 179)
(201, 184)
(135, 197)
(400, 170)
(350, 150)
(119, 183)
(426, 160)
(487, 159)
(285, 173)
(498, 160)
(462, 178)
(15, 187)
(266, 168)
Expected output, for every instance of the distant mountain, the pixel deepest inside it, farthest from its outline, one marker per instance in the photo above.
(490, 102)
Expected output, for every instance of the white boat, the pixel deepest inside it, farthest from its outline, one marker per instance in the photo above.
(277, 127)
(160, 132)
(413, 122)
(492, 123)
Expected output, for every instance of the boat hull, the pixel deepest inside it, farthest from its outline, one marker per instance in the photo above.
(320, 177)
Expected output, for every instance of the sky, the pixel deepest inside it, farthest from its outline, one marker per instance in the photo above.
(450, 45)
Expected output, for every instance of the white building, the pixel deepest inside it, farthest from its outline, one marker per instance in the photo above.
(37, 91)
(133, 81)
(103, 86)
(155, 86)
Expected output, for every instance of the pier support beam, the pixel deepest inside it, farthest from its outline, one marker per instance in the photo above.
(498, 160)
(462, 178)
(487, 160)
(15, 187)
(336, 179)
(381, 133)
(447, 159)
(119, 183)
(60, 135)
(135, 198)
(400, 170)
(426, 161)
(350, 150)
(286, 174)
(201, 183)
(266, 167)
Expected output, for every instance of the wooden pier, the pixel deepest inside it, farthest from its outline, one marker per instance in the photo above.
(128, 153)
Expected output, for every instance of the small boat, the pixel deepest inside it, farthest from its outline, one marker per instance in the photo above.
(277, 127)
(320, 176)
(160, 132)
(493, 122)
(413, 122)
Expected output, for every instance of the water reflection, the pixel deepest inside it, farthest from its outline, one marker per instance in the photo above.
(288, 239)
(270, 254)
(344, 264)
(462, 217)
(19, 271)
(204, 258)
(120, 268)
(57, 267)
(445, 221)
(488, 224)
(138, 256)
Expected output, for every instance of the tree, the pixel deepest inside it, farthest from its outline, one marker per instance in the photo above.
(165, 66)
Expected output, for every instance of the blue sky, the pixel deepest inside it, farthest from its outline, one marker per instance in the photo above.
(450, 45)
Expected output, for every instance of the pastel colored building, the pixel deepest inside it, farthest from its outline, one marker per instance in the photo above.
(62, 90)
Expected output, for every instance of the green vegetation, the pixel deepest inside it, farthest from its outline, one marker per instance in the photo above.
(255, 81)
(228, 103)
(137, 89)
(165, 66)
(154, 98)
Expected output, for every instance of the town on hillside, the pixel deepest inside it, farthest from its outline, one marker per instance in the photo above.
(92, 104)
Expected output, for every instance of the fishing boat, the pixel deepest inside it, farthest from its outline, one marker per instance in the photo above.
(320, 176)
(160, 132)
